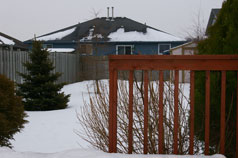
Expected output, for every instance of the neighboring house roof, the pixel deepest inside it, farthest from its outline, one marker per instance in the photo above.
(109, 30)
(188, 44)
(213, 17)
(189, 48)
(8, 40)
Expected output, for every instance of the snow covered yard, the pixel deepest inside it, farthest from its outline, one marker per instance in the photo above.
(54, 131)
(51, 134)
(87, 153)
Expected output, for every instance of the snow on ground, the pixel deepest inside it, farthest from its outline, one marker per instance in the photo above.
(51, 134)
(4, 40)
(88, 153)
(57, 35)
(150, 35)
(53, 131)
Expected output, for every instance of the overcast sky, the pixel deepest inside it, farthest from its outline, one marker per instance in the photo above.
(24, 18)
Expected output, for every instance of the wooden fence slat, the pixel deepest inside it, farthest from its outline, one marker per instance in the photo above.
(176, 112)
(223, 112)
(130, 134)
(145, 112)
(161, 108)
(207, 113)
(191, 138)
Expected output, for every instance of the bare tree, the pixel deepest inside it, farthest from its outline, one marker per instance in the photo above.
(95, 13)
(197, 29)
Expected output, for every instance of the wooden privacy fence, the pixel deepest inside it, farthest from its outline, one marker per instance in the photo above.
(11, 63)
(74, 68)
(192, 63)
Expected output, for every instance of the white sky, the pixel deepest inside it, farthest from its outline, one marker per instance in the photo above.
(24, 18)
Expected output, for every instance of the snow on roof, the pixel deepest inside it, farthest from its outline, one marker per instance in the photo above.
(188, 44)
(63, 50)
(150, 36)
(57, 35)
(91, 36)
(7, 41)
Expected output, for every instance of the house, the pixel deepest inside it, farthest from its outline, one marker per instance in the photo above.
(189, 48)
(109, 35)
(8, 42)
(212, 18)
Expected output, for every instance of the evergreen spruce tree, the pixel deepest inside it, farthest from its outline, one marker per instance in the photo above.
(11, 112)
(39, 90)
(222, 39)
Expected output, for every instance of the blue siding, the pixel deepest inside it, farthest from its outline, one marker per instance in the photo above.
(64, 45)
(104, 49)
(143, 48)
(146, 48)
(109, 48)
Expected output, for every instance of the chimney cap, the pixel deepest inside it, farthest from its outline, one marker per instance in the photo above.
(112, 14)
(108, 10)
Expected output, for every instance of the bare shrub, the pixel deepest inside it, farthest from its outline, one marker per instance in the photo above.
(95, 114)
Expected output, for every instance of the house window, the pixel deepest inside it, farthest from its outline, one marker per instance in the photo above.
(124, 49)
(86, 49)
(164, 48)
(47, 45)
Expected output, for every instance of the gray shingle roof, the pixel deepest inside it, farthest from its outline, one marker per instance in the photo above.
(213, 17)
(102, 26)
(18, 44)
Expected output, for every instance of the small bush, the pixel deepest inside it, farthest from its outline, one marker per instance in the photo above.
(94, 118)
(11, 112)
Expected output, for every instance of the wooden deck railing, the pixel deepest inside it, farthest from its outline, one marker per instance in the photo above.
(193, 63)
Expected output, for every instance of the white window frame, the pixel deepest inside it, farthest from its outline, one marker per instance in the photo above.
(132, 47)
(163, 44)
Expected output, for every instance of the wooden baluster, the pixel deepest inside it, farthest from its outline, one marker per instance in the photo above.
(145, 112)
(130, 128)
(111, 90)
(207, 113)
(115, 112)
(191, 138)
(223, 112)
(176, 112)
(161, 108)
